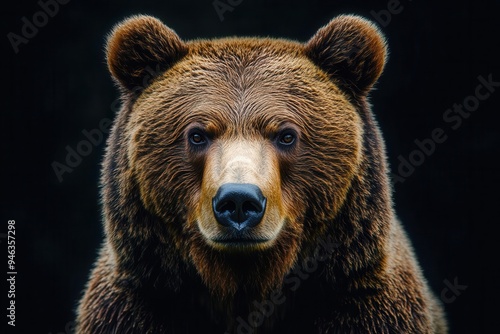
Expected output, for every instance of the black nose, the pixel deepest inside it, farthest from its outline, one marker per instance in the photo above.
(239, 205)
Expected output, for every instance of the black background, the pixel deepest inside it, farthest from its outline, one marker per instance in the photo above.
(57, 85)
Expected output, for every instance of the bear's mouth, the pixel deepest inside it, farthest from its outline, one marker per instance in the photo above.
(241, 240)
(245, 239)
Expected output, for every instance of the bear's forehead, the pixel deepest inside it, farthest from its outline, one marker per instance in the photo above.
(256, 70)
(246, 48)
(259, 82)
(243, 61)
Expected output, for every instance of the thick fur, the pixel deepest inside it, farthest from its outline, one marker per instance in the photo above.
(158, 274)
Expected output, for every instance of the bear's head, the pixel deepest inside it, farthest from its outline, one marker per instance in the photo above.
(231, 156)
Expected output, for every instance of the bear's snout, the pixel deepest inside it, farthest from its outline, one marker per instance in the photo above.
(239, 206)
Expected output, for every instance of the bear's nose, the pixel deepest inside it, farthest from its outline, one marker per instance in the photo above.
(239, 205)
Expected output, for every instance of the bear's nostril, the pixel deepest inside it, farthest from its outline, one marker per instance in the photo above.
(239, 205)
(250, 207)
(227, 206)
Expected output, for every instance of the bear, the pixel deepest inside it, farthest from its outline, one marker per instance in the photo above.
(245, 189)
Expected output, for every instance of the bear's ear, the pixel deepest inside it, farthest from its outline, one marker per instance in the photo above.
(351, 50)
(139, 49)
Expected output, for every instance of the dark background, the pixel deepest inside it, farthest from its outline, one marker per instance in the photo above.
(57, 85)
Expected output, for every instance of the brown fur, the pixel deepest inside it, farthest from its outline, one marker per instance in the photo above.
(159, 271)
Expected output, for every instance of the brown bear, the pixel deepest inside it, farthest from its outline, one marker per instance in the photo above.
(245, 190)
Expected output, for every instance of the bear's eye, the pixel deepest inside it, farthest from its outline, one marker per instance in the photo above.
(197, 138)
(286, 138)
